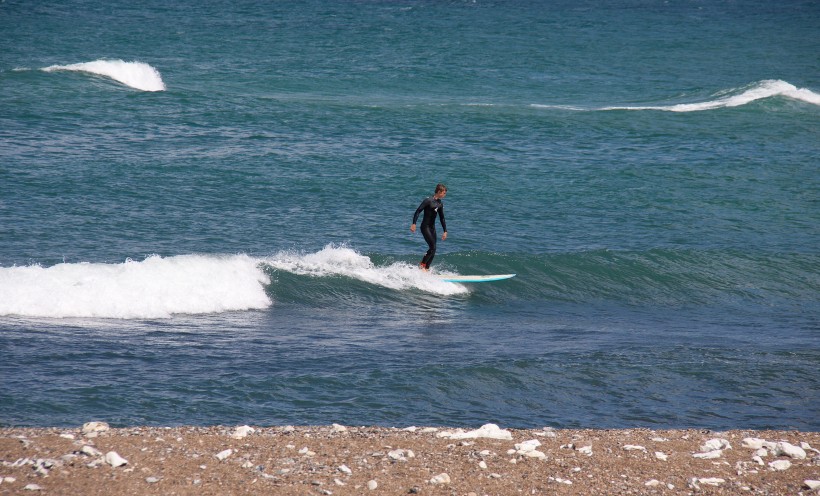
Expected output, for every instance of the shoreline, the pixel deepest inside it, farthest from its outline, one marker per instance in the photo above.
(344, 460)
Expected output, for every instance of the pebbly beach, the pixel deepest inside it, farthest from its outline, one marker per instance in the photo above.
(96, 459)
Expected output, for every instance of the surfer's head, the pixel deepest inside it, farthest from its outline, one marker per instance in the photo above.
(441, 189)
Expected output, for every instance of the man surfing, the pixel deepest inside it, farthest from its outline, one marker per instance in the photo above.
(431, 206)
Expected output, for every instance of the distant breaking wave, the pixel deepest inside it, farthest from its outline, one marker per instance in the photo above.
(732, 98)
(138, 75)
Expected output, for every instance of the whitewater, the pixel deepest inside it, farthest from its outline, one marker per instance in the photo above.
(161, 287)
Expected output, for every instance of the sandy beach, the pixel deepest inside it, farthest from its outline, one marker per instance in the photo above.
(344, 460)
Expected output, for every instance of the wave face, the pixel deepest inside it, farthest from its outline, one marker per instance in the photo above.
(160, 287)
(156, 287)
(137, 75)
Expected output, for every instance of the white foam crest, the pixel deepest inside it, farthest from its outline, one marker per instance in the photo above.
(758, 91)
(156, 287)
(137, 75)
(343, 261)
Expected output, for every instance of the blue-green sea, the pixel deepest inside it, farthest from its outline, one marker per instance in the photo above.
(205, 213)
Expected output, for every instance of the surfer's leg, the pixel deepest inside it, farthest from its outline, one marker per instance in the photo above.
(429, 236)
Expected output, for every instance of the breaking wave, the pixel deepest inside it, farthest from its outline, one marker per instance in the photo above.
(731, 98)
(138, 75)
(343, 262)
(156, 287)
(160, 287)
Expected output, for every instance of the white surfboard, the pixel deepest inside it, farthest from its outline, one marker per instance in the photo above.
(487, 278)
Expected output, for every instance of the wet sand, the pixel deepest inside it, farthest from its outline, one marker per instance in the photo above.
(345, 460)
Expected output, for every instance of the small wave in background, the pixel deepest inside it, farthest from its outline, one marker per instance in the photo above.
(137, 75)
(735, 97)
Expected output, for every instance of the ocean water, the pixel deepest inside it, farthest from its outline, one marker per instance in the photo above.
(205, 209)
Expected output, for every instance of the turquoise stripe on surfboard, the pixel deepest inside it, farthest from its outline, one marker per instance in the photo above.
(476, 278)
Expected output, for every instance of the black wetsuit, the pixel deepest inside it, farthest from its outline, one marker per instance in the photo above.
(431, 207)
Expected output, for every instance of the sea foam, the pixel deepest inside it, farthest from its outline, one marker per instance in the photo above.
(336, 261)
(156, 287)
(138, 75)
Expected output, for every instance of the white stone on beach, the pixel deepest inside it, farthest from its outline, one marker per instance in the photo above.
(33, 487)
(114, 459)
(812, 484)
(711, 481)
(339, 428)
(535, 454)
(587, 450)
(634, 447)
(400, 455)
(482, 464)
(90, 451)
(441, 478)
(715, 444)
(790, 450)
(711, 455)
(372, 485)
(660, 455)
(67, 435)
(242, 432)
(528, 445)
(91, 429)
(345, 469)
(757, 443)
(222, 455)
(527, 448)
(652, 483)
(780, 465)
(806, 446)
(490, 431)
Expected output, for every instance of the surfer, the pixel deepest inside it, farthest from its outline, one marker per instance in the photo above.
(431, 206)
